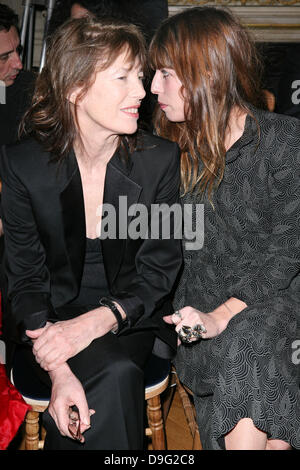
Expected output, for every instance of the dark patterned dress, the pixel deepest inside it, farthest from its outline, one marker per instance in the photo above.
(251, 251)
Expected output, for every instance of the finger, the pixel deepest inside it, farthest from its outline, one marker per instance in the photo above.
(48, 355)
(34, 333)
(44, 338)
(63, 422)
(56, 419)
(84, 413)
(168, 319)
(49, 366)
(179, 326)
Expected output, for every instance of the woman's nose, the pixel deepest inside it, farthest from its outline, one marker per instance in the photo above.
(156, 83)
(139, 90)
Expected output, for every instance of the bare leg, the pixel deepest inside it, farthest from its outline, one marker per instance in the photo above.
(276, 444)
(245, 436)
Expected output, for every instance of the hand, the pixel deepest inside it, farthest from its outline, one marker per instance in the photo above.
(57, 342)
(67, 392)
(191, 317)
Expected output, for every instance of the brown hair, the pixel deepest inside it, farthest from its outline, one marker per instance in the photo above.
(78, 49)
(217, 64)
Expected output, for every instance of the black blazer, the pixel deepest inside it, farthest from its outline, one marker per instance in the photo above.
(45, 234)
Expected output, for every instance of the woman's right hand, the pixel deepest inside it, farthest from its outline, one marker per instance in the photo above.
(67, 391)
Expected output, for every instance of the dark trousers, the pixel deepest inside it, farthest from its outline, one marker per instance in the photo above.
(111, 372)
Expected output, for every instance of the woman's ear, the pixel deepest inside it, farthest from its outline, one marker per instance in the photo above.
(73, 95)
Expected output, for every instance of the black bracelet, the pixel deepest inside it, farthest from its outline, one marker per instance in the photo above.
(110, 304)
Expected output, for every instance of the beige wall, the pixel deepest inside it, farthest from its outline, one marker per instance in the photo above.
(17, 6)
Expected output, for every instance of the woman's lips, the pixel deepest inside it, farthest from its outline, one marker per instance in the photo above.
(162, 105)
(132, 111)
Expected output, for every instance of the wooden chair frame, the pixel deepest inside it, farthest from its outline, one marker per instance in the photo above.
(186, 397)
(35, 433)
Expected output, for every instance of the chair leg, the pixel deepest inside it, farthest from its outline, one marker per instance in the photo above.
(32, 430)
(43, 437)
(156, 423)
(190, 414)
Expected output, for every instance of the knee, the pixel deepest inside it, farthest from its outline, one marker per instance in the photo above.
(124, 370)
(276, 444)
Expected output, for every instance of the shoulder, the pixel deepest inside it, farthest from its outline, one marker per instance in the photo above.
(24, 151)
(278, 126)
(26, 157)
(156, 150)
(24, 86)
(27, 77)
(279, 144)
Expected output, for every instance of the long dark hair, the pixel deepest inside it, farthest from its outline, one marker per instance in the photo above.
(217, 63)
(77, 50)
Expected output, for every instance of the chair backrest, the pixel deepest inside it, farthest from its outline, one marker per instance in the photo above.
(270, 100)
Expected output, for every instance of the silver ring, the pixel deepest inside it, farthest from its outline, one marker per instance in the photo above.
(177, 314)
(187, 333)
(199, 329)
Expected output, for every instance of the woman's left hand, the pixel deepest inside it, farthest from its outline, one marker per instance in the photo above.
(191, 317)
(57, 342)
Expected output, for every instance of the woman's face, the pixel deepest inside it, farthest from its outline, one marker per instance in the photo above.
(166, 85)
(111, 105)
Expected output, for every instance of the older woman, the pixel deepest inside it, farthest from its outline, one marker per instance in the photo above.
(238, 300)
(81, 306)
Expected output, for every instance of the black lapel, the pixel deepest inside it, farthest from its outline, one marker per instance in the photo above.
(73, 214)
(118, 183)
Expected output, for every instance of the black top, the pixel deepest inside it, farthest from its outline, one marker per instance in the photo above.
(46, 245)
(251, 232)
(93, 284)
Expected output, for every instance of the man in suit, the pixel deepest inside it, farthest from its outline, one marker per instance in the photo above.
(16, 85)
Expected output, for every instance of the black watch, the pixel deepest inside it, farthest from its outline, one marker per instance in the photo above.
(106, 302)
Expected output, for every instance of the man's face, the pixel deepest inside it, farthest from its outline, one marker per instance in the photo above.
(10, 62)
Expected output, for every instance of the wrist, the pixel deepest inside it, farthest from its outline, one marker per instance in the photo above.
(60, 373)
(220, 317)
(226, 311)
(118, 313)
(100, 321)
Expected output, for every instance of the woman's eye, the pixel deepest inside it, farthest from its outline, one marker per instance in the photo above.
(122, 78)
(165, 74)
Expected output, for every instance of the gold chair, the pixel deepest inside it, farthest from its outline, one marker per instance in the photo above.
(157, 379)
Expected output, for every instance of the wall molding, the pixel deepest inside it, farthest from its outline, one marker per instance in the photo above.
(272, 23)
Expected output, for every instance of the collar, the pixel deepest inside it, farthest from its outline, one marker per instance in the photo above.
(120, 160)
